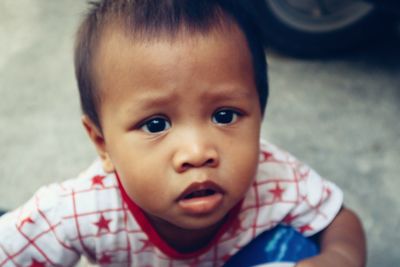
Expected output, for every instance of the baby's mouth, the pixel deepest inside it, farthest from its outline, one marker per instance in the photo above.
(200, 193)
(201, 198)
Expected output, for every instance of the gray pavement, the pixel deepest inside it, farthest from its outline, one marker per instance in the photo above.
(341, 116)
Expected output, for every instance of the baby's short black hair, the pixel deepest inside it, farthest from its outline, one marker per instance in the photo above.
(146, 19)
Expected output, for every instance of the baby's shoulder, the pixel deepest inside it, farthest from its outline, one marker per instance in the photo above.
(276, 162)
(270, 151)
(93, 179)
(72, 200)
(69, 217)
(93, 190)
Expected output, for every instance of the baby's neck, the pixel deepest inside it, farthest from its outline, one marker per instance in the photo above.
(184, 240)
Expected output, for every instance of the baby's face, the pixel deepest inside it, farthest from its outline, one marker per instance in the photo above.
(181, 122)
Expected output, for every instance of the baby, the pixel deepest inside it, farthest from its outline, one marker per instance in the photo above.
(173, 94)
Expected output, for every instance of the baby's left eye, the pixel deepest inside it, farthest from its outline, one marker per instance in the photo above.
(225, 116)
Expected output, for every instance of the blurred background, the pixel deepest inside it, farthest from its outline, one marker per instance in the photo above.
(335, 108)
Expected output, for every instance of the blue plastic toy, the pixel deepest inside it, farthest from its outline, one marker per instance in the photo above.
(281, 244)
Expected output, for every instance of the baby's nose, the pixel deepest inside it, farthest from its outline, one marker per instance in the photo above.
(198, 153)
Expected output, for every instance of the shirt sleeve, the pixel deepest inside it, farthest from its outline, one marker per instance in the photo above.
(319, 201)
(33, 235)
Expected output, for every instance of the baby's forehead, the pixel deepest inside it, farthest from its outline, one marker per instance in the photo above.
(155, 61)
(116, 40)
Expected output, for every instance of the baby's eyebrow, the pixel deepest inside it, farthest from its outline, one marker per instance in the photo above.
(212, 95)
(152, 100)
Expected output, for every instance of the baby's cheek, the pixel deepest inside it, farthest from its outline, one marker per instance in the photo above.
(150, 193)
(241, 179)
(246, 171)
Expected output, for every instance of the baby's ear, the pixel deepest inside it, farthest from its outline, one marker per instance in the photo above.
(98, 140)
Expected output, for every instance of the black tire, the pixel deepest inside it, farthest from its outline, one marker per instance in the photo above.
(300, 33)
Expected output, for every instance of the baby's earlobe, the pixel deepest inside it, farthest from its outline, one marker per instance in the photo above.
(98, 140)
(108, 166)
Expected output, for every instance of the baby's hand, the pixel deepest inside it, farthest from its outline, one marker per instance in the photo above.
(342, 244)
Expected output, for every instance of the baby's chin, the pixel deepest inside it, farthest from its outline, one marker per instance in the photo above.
(199, 224)
(189, 223)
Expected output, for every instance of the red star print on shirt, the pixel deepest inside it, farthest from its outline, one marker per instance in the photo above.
(103, 223)
(265, 156)
(98, 180)
(36, 263)
(26, 220)
(289, 219)
(305, 228)
(105, 259)
(328, 191)
(277, 192)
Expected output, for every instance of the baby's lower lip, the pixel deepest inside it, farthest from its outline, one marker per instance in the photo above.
(201, 205)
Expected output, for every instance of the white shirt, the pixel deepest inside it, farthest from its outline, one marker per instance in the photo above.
(92, 216)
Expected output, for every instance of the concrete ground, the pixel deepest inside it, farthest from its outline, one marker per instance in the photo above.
(341, 116)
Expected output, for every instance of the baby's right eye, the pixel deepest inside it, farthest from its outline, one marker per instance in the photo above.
(156, 125)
